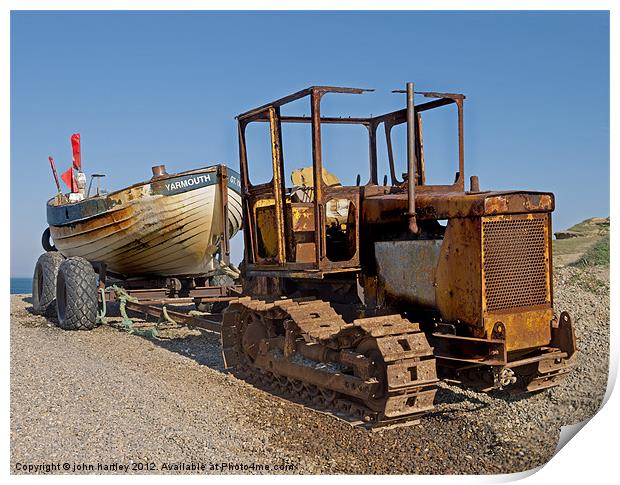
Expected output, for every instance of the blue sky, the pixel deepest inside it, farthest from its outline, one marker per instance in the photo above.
(148, 88)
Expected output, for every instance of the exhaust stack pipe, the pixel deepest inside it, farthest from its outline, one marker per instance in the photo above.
(159, 171)
(411, 160)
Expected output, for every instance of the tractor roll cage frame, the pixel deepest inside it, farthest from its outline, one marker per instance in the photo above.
(270, 113)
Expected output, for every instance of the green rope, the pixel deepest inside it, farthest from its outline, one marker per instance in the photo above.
(165, 317)
(196, 313)
(123, 298)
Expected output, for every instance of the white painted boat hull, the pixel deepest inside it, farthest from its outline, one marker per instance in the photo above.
(168, 227)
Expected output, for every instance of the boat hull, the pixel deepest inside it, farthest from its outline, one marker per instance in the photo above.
(171, 226)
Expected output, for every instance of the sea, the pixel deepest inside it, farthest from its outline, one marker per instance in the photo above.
(21, 285)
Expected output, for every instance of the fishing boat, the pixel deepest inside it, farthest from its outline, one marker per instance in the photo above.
(170, 225)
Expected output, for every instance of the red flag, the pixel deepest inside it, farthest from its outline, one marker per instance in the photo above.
(75, 144)
(69, 179)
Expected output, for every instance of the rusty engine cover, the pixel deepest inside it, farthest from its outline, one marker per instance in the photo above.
(492, 265)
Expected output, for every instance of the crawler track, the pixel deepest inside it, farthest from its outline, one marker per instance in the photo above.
(373, 372)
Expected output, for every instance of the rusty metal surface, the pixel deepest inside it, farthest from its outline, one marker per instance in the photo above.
(434, 203)
(563, 334)
(394, 380)
(407, 270)
(470, 350)
(515, 262)
(458, 279)
(486, 366)
(411, 161)
(223, 206)
(482, 280)
(255, 113)
(206, 293)
(525, 327)
(179, 317)
(276, 191)
(516, 278)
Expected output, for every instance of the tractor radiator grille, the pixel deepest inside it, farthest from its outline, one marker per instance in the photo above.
(515, 262)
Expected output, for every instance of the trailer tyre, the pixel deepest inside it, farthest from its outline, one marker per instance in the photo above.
(221, 280)
(217, 306)
(76, 295)
(44, 283)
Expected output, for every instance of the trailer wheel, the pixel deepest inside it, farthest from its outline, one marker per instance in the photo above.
(221, 280)
(76, 295)
(212, 307)
(44, 283)
(217, 306)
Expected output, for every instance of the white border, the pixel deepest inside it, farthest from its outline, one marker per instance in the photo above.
(589, 458)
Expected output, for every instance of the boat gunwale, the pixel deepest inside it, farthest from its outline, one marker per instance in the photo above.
(117, 206)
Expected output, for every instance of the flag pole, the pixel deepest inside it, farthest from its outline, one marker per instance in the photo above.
(55, 174)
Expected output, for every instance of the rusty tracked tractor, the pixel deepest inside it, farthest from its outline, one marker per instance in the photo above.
(358, 300)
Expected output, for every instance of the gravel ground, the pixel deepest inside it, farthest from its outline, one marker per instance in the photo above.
(107, 397)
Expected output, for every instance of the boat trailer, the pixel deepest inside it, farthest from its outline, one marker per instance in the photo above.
(145, 296)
